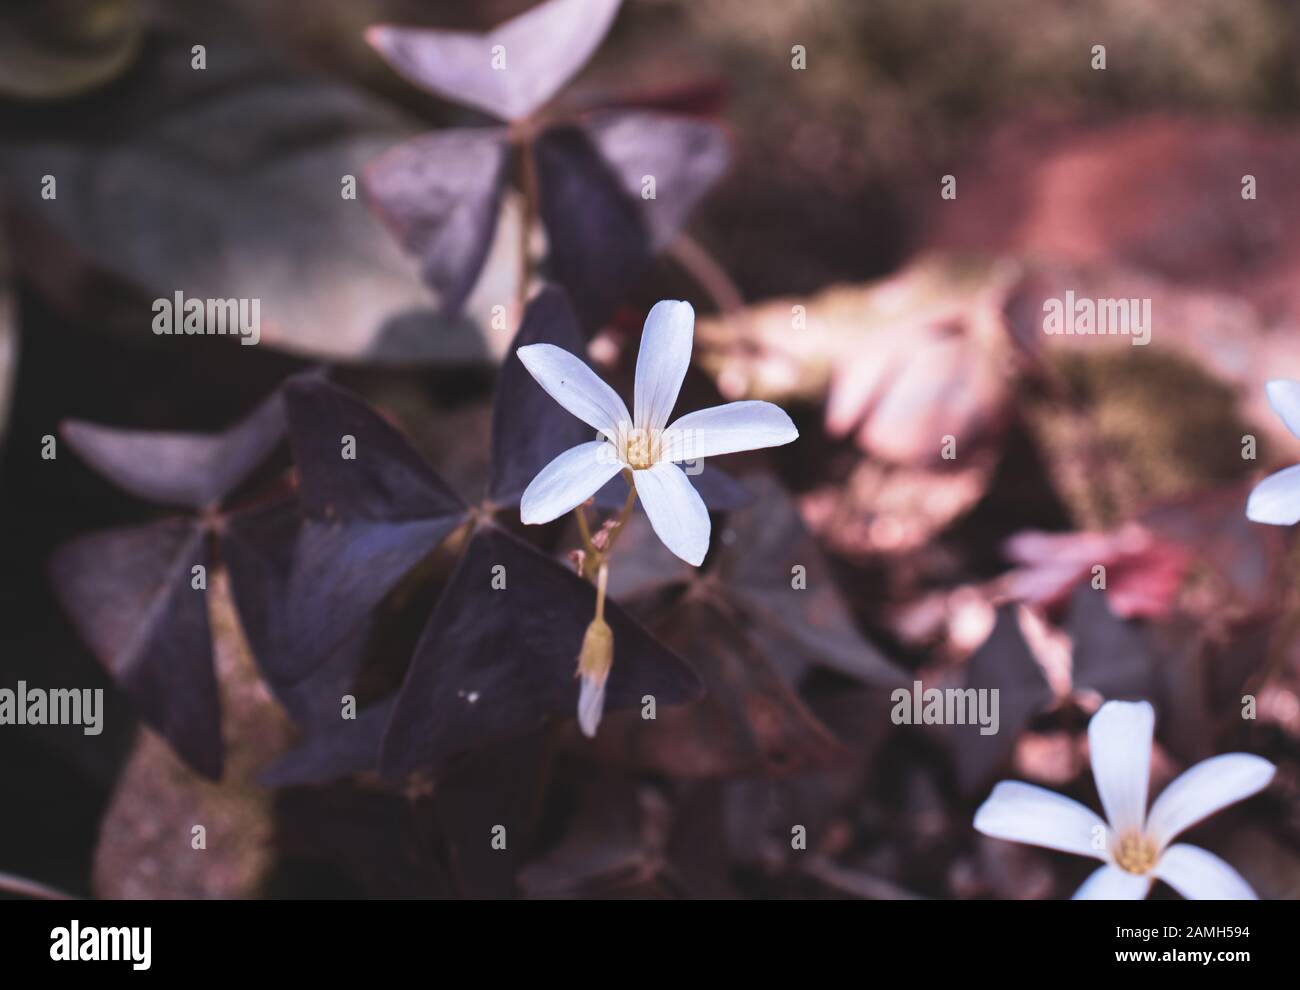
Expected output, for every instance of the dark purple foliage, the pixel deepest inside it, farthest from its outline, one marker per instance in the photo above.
(496, 662)
(131, 592)
(441, 193)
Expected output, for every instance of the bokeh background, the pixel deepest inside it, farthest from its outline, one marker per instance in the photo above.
(922, 318)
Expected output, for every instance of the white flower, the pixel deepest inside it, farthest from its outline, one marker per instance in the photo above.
(1276, 499)
(644, 443)
(1134, 845)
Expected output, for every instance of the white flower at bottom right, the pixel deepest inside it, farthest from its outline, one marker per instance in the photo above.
(1133, 845)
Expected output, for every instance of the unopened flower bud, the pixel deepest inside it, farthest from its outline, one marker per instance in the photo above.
(594, 662)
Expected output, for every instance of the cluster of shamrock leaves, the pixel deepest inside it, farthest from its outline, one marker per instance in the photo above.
(586, 173)
(312, 555)
(308, 572)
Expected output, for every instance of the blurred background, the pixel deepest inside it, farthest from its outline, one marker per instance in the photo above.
(830, 275)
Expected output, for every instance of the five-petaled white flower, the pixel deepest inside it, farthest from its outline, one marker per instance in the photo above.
(1276, 499)
(1134, 846)
(643, 443)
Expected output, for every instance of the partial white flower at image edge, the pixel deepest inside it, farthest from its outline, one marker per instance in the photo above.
(1133, 845)
(1276, 499)
(643, 442)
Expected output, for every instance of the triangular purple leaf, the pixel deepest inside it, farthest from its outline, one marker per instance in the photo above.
(501, 785)
(496, 663)
(369, 519)
(386, 481)
(184, 469)
(1110, 655)
(529, 428)
(686, 156)
(129, 594)
(341, 571)
(339, 748)
(598, 246)
(508, 72)
(257, 548)
(1003, 663)
(758, 551)
(440, 193)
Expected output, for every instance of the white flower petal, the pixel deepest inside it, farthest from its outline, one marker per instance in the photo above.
(568, 481)
(676, 511)
(1202, 876)
(662, 362)
(1110, 883)
(1024, 813)
(736, 426)
(1205, 788)
(570, 382)
(1119, 741)
(1276, 499)
(1284, 397)
(591, 705)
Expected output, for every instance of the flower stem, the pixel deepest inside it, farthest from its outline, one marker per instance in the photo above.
(584, 529)
(622, 516)
(708, 273)
(528, 183)
(602, 578)
(596, 559)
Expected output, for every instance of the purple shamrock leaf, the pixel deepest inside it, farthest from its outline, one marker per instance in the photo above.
(1003, 663)
(130, 595)
(512, 70)
(684, 156)
(440, 193)
(193, 470)
(134, 594)
(373, 510)
(611, 188)
(496, 662)
(598, 242)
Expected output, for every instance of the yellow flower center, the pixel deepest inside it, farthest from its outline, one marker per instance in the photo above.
(1135, 853)
(640, 449)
